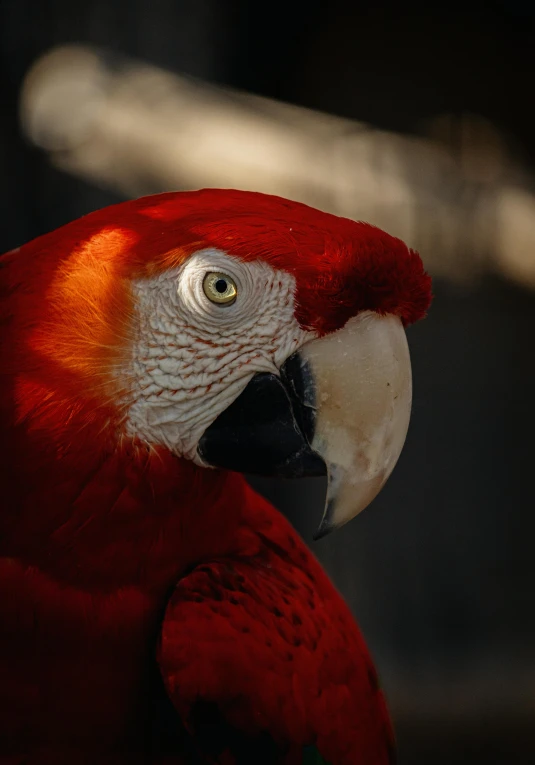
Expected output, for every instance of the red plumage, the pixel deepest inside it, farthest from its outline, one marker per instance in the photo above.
(103, 540)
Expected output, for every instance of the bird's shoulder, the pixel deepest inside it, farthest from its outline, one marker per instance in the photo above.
(262, 649)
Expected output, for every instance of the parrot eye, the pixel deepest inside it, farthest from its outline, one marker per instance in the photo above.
(220, 288)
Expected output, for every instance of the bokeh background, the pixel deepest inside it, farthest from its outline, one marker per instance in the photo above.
(418, 118)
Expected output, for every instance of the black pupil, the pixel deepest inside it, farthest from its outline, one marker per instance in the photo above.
(221, 286)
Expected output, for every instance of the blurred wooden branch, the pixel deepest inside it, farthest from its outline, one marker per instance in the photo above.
(143, 130)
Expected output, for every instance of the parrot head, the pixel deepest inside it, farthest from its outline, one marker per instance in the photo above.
(233, 329)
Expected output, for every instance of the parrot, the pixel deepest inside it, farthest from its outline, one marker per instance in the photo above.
(154, 608)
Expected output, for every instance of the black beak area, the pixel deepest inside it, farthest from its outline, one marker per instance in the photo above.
(268, 429)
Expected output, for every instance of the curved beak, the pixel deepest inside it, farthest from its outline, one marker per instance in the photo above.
(340, 407)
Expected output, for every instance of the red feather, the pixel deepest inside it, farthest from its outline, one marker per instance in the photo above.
(265, 637)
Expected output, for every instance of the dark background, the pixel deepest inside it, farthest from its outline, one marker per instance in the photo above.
(440, 570)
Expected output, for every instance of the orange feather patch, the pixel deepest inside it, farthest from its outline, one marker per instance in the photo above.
(91, 291)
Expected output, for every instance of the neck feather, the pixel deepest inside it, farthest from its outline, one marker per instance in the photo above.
(106, 516)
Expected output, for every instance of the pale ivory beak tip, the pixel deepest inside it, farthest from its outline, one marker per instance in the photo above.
(327, 523)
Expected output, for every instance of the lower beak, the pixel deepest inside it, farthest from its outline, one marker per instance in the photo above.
(340, 407)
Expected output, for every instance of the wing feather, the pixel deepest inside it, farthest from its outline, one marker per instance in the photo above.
(266, 648)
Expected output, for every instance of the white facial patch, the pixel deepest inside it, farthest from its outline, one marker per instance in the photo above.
(193, 357)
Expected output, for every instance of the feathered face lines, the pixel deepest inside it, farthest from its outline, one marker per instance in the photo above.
(194, 355)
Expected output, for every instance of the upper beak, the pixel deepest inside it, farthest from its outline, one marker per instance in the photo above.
(340, 407)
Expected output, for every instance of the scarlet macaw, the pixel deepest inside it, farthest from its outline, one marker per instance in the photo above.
(154, 608)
